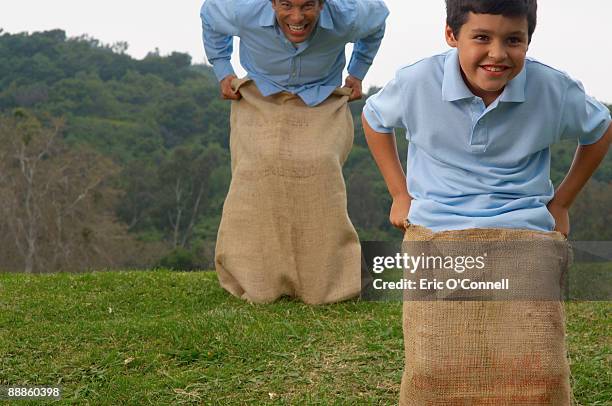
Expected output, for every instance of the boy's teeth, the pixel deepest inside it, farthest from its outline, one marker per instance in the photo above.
(494, 68)
(296, 27)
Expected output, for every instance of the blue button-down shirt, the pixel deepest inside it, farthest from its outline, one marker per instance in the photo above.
(471, 166)
(311, 70)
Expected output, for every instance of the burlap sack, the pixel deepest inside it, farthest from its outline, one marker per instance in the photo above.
(285, 229)
(484, 352)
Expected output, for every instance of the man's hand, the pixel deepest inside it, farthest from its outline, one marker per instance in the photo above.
(399, 211)
(227, 92)
(561, 216)
(355, 84)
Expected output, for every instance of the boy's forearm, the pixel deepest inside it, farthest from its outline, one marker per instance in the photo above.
(586, 160)
(384, 150)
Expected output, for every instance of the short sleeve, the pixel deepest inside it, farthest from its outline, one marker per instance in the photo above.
(384, 110)
(583, 117)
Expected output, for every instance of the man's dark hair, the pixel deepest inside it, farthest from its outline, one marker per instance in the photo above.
(457, 11)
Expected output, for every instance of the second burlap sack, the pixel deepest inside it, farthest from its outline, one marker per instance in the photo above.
(285, 229)
(499, 353)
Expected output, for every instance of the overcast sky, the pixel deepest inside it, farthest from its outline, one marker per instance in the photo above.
(572, 35)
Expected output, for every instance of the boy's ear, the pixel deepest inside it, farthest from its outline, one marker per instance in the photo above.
(450, 36)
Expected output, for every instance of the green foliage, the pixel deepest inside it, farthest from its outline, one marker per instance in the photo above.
(125, 141)
(178, 259)
(176, 193)
(84, 80)
(160, 118)
(56, 201)
(173, 68)
(85, 94)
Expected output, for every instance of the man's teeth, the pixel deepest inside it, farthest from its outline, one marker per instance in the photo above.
(296, 27)
(494, 68)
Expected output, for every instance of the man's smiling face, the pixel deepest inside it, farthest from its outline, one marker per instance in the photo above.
(492, 50)
(297, 18)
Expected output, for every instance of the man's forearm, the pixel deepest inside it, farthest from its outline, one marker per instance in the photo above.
(369, 30)
(219, 50)
(586, 160)
(384, 150)
(218, 29)
(364, 52)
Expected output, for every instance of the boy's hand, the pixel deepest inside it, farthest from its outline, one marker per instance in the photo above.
(586, 160)
(561, 216)
(399, 211)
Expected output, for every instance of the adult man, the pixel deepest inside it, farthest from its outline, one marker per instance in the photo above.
(287, 202)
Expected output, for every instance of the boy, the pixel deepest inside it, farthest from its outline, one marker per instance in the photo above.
(480, 120)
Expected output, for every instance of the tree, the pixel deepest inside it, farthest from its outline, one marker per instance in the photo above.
(183, 190)
(55, 201)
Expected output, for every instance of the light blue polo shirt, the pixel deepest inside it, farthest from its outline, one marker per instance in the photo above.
(471, 166)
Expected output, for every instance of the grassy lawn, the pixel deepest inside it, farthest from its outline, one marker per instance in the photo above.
(138, 338)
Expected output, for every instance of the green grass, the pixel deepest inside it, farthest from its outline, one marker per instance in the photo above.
(160, 337)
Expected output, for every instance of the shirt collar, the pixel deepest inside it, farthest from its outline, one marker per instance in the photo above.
(454, 88)
(268, 18)
(325, 18)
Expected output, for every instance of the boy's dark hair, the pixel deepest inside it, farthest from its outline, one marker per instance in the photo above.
(457, 11)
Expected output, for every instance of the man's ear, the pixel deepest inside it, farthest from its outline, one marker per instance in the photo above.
(450, 36)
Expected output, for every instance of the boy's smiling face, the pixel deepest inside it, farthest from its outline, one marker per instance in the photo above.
(492, 50)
